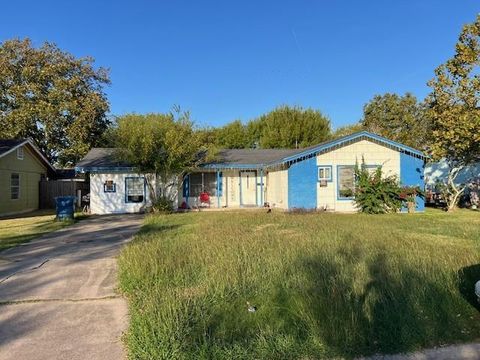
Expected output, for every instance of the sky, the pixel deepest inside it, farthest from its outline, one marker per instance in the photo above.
(225, 60)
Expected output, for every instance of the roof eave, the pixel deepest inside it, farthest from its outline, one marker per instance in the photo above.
(103, 169)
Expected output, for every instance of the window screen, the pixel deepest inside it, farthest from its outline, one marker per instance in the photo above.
(346, 182)
(135, 189)
(195, 184)
(203, 182)
(14, 186)
(210, 183)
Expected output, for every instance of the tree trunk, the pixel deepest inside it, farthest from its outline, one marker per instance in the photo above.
(453, 190)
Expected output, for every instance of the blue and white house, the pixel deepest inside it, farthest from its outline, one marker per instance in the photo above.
(115, 186)
(318, 177)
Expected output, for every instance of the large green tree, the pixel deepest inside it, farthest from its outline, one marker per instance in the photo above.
(289, 127)
(347, 130)
(52, 97)
(161, 146)
(400, 118)
(454, 109)
(234, 135)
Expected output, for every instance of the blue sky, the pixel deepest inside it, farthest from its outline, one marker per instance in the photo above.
(226, 60)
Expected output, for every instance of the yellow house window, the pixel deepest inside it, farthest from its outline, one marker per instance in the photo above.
(20, 153)
(15, 186)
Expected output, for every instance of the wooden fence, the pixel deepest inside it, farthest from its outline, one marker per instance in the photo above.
(50, 189)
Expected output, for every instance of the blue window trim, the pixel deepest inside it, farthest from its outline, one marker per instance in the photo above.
(144, 190)
(109, 191)
(324, 167)
(338, 184)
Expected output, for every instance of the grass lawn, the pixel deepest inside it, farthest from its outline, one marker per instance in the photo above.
(25, 227)
(337, 285)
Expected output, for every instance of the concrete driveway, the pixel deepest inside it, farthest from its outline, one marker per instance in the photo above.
(57, 293)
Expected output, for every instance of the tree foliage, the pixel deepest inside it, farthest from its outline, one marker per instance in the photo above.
(52, 97)
(399, 118)
(347, 130)
(290, 127)
(234, 135)
(454, 109)
(161, 146)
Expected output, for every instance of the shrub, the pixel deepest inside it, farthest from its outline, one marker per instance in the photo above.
(375, 193)
(163, 205)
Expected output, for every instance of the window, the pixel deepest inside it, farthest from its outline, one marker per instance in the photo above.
(134, 190)
(109, 186)
(203, 182)
(14, 186)
(325, 173)
(20, 153)
(346, 182)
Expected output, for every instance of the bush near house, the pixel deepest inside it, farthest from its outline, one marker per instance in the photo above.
(323, 285)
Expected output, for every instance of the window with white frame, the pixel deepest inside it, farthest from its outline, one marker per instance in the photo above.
(109, 186)
(346, 181)
(324, 173)
(134, 190)
(15, 186)
(20, 153)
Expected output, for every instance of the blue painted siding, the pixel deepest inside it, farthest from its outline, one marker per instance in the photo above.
(302, 184)
(411, 174)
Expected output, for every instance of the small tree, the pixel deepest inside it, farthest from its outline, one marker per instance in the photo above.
(161, 146)
(375, 193)
(455, 112)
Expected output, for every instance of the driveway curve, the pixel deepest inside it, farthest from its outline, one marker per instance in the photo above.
(57, 293)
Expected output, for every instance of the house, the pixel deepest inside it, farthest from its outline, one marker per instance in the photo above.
(115, 187)
(437, 172)
(22, 166)
(318, 177)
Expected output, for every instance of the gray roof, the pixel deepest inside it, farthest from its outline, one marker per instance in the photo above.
(252, 156)
(9, 144)
(101, 158)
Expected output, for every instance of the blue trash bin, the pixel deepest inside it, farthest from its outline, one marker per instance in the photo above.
(65, 207)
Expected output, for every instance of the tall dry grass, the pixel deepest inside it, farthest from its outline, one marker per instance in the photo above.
(323, 284)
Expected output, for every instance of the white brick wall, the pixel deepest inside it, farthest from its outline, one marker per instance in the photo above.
(373, 154)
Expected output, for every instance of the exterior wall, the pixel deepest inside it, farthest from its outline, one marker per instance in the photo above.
(412, 174)
(30, 170)
(438, 172)
(276, 184)
(372, 153)
(302, 184)
(114, 202)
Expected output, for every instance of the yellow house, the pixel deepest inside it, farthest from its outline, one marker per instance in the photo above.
(319, 177)
(22, 166)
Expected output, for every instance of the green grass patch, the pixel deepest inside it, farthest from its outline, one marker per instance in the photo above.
(324, 284)
(25, 227)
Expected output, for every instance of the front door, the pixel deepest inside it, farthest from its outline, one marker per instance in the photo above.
(248, 188)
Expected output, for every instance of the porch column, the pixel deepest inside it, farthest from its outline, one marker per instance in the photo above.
(218, 189)
(261, 188)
